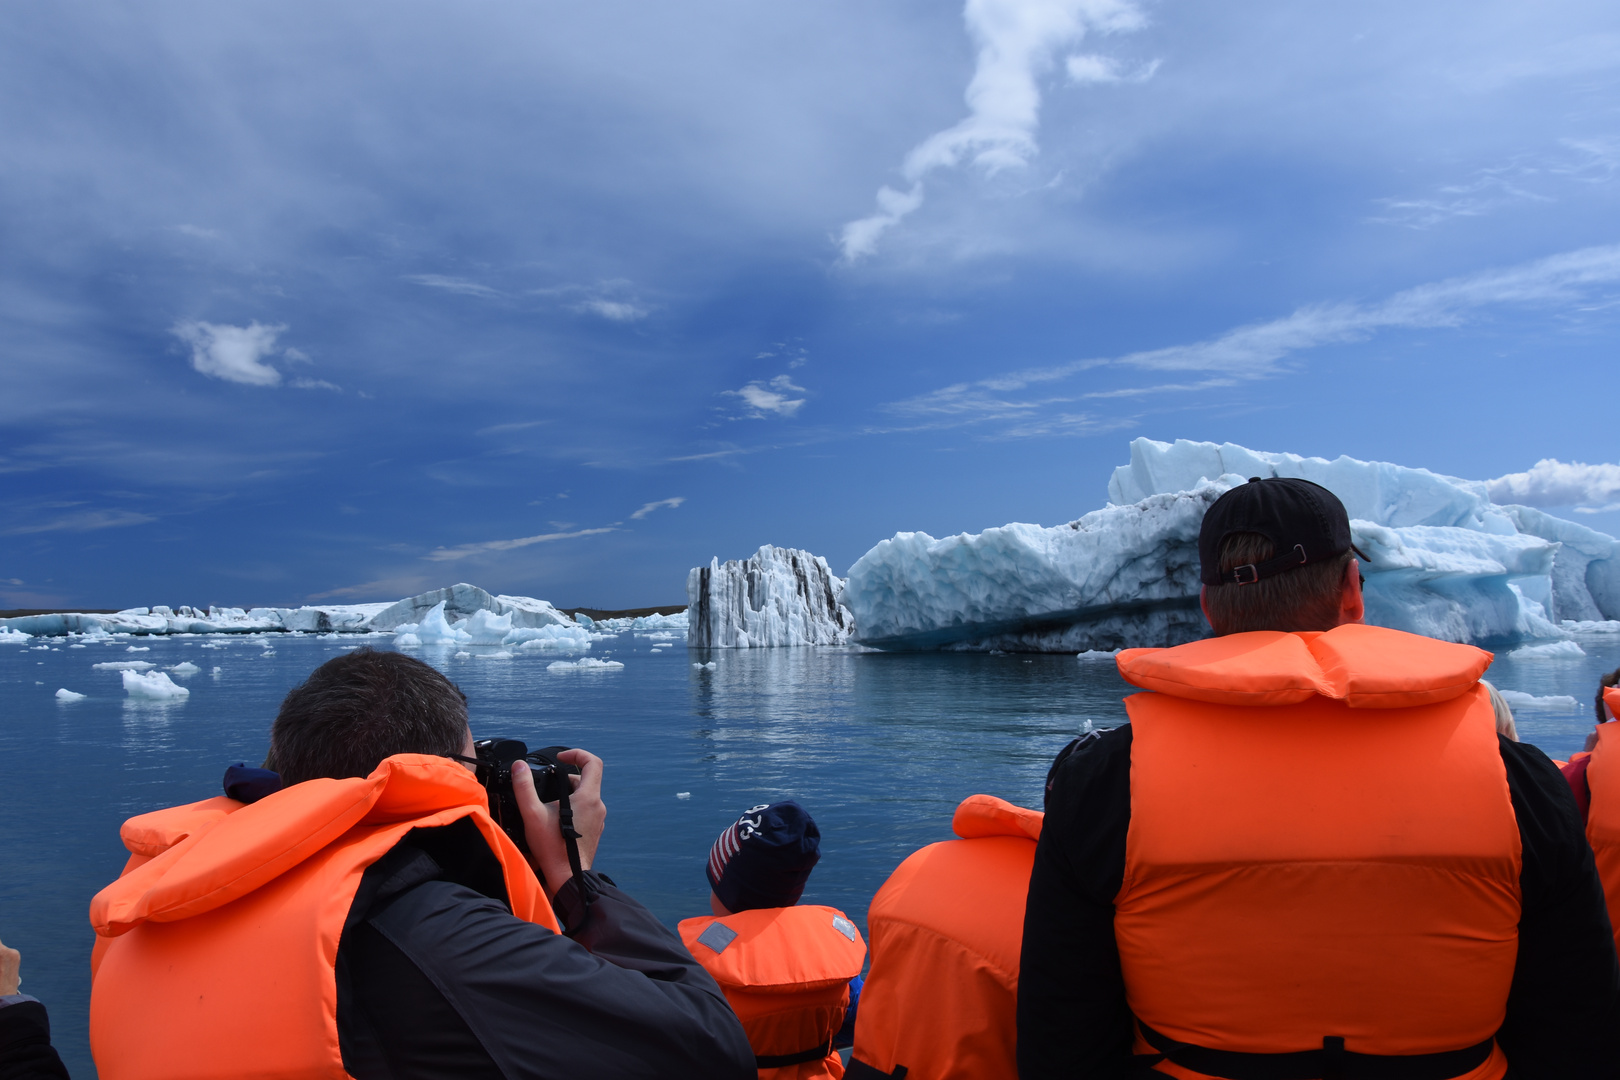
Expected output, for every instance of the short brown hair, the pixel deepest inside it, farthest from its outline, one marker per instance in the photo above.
(1305, 598)
(359, 708)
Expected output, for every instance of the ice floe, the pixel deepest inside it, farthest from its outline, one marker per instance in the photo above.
(586, 663)
(124, 665)
(1552, 650)
(776, 597)
(185, 667)
(14, 637)
(153, 686)
(1519, 700)
(65, 694)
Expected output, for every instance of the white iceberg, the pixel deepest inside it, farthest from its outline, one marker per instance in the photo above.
(434, 629)
(587, 663)
(14, 637)
(1552, 650)
(65, 694)
(466, 600)
(778, 597)
(124, 665)
(1443, 561)
(185, 667)
(153, 686)
(1558, 702)
(710, 666)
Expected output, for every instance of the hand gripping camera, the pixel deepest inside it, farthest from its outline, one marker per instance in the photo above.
(552, 782)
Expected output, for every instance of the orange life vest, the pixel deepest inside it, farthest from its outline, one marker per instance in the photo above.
(786, 973)
(1603, 816)
(217, 885)
(1322, 853)
(941, 999)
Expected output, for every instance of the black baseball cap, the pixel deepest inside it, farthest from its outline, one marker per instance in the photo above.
(1305, 523)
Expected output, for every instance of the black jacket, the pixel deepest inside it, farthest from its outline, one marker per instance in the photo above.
(25, 1042)
(437, 978)
(1563, 1011)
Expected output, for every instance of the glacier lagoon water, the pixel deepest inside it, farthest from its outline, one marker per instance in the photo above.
(879, 747)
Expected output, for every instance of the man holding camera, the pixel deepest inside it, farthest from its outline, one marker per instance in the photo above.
(370, 919)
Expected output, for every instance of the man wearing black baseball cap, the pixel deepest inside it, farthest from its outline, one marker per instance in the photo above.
(1309, 854)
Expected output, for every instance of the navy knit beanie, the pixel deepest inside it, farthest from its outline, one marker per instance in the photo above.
(764, 858)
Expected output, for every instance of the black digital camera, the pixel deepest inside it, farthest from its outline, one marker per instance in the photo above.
(495, 757)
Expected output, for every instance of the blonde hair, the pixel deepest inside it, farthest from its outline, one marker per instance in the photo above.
(1504, 715)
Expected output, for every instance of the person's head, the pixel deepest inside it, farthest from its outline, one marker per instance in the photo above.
(359, 708)
(1504, 715)
(1276, 555)
(763, 859)
(1608, 681)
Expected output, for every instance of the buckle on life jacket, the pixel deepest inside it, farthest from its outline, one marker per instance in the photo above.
(1332, 1062)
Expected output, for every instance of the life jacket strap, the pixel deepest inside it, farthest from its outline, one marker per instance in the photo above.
(1332, 1062)
(778, 1061)
(860, 1070)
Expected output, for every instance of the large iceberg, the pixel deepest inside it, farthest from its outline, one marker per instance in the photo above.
(485, 627)
(1443, 560)
(778, 597)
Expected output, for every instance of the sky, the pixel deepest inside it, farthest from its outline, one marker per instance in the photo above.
(312, 303)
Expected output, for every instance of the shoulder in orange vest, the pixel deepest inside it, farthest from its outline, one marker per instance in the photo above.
(1603, 815)
(786, 973)
(941, 999)
(1322, 854)
(213, 882)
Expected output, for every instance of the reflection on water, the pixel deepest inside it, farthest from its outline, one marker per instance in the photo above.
(880, 748)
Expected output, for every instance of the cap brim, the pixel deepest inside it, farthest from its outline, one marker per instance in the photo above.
(1361, 554)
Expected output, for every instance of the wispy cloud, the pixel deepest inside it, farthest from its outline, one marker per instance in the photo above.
(83, 521)
(1522, 180)
(770, 397)
(1087, 68)
(463, 551)
(233, 353)
(1261, 349)
(661, 504)
(1017, 42)
(453, 284)
(616, 310)
(316, 384)
(1550, 482)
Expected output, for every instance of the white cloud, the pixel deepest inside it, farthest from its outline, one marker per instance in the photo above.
(232, 353)
(462, 551)
(316, 384)
(659, 505)
(197, 232)
(1017, 41)
(83, 521)
(617, 310)
(1260, 349)
(1554, 483)
(452, 284)
(1084, 68)
(770, 397)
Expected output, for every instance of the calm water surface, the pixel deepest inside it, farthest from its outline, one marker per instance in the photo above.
(880, 748)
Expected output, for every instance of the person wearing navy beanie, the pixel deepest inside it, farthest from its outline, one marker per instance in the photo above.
(760, 944)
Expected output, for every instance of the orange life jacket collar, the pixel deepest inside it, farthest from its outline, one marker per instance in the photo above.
(1366, 667)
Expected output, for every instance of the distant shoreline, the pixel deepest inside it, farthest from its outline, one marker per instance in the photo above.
(592, 613)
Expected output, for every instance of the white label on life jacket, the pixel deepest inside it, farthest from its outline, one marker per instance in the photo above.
(840, 924)
(718, 936)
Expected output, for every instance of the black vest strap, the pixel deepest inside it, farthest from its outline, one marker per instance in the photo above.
(860, 1070)
(777, 1061)
(1332, 1062)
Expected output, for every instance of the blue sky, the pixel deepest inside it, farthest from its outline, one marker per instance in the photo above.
(346, 301)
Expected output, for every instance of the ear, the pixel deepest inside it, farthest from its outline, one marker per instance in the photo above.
(1351, 607)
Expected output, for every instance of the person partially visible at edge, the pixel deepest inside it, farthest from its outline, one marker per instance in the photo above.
(1502, 711)
(941, 996)
(1594, 780)
(791, 971)
(1311, 841)
(26, 1052)
(370, 919)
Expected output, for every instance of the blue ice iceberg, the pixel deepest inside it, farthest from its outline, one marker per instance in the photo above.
(1443, 560)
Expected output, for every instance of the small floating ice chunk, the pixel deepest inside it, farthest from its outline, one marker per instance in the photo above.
(153, 686)
(406, 641)
(216, 671)
(501, 655)
(65, 694)
(463, 655)
(710, 666)
(138, 648)
(1520, 700)
(1552, 650)
(78, 646)
(185, 667)
(124, 665)
(588, 663)
(13, 635)
(683, 794)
